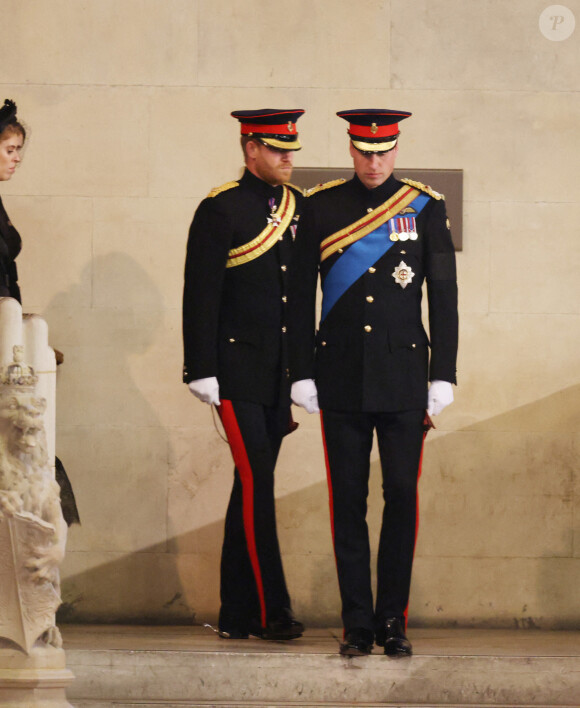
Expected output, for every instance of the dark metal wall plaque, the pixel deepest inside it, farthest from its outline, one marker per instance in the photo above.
(448, 182)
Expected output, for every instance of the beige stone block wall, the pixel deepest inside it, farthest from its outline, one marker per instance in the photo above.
(128, 105)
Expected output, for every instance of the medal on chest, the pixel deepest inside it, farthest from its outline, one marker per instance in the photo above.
(403, 228)
(403, 274)
(294, 227)
(274, 217)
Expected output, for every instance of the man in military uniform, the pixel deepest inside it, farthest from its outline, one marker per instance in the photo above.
(375, 239)
(234, 331)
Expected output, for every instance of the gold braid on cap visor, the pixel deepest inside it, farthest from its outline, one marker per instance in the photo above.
(281, 144)
(374, 147)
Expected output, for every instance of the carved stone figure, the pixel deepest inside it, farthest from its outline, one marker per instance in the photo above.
(32, 528)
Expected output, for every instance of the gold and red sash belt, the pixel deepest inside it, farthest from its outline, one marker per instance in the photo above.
(369, 222)
(268, 237)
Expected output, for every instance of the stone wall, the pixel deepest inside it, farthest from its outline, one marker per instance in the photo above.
(128, 104)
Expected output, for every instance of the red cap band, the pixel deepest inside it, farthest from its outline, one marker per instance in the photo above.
(283, 129)
(374, 130)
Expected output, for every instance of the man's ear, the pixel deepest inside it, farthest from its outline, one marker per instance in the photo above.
(252, 148)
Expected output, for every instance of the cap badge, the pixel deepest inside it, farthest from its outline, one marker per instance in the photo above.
(403, 274)
(374, 128)
(291, 126)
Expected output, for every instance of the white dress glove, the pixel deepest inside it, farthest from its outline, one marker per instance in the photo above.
(207, 390)
(303, 393)
(440, 396)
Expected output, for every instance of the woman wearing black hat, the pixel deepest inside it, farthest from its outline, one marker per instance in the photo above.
(12, 137)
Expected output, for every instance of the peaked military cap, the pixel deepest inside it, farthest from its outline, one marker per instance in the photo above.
(373, 129)
(274, 127)
(7, 113)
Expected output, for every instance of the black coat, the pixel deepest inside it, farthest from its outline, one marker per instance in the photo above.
(372, 351)
(10, 245)
(234, 319)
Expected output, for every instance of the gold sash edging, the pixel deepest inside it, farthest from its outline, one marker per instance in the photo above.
(369, 222)
(266, 238)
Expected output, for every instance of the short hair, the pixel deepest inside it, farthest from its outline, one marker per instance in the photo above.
(244, 140)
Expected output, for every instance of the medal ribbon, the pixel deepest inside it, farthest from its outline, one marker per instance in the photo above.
(268, 237)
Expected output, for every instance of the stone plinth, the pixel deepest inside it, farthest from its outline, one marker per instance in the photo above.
(36, 680)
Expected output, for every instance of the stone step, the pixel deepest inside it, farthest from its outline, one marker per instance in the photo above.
(191, 667)
(284, 704)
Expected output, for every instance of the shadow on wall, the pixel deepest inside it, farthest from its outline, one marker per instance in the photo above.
(111, 440)
(496, 544)
(500, 503)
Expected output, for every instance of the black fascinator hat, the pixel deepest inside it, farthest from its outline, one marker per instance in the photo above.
(7, 114)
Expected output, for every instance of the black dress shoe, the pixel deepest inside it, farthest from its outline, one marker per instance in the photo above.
(357, 642)
(391, 635)
(283, 625)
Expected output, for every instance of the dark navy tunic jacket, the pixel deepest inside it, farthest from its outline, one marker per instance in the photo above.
(234, 319)
(371, 352)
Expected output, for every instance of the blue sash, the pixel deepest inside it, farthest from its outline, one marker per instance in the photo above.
(359, 257)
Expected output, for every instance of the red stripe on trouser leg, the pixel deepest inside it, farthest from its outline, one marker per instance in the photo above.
(242, 463)
(330, 497)
(328, 479)
(406, 613)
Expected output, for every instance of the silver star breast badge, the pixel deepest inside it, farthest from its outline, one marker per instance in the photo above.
(403, 274)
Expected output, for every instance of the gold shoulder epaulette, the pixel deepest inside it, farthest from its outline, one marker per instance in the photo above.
(218, 190)
(325, 185)
(298, 189)
(423, 188)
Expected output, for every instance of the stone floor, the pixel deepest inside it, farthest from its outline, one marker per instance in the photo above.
(193, 667)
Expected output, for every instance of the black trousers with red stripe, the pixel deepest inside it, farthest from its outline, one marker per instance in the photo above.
(253, 587)
(348, 441)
